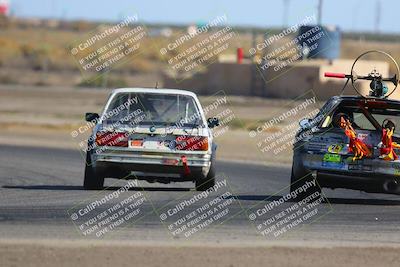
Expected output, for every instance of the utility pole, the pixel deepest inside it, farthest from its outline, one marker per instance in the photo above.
(286, 4)
(320, 3)
(377, 15)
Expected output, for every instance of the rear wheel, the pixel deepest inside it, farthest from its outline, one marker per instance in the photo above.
(208, 182)
(92, 181)
(301, 179)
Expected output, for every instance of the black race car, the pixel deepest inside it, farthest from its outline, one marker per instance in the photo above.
(352, 142)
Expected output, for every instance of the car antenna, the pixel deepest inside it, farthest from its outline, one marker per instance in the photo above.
(156, 85)
(344, 86)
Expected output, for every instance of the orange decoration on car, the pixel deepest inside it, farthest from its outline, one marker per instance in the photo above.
(387, 145)
(356, 146)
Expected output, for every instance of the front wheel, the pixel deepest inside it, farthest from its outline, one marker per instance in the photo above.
(92, 181)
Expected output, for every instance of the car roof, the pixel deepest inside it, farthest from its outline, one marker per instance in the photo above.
(154, 91)
(358, 97)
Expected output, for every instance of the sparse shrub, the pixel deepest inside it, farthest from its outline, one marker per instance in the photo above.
(6, 79)
(103, 81)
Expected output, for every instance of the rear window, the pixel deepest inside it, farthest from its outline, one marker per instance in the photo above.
(366, 118)
(154, 109)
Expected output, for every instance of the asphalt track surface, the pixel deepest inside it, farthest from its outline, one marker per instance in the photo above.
(41, 187)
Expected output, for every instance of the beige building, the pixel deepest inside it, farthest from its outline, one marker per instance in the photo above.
(278, 81)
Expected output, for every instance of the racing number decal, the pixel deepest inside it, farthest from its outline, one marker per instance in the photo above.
(336, 148)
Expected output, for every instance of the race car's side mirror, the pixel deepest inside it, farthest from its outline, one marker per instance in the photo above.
(91, 116)
(212, 122)
(305, 124)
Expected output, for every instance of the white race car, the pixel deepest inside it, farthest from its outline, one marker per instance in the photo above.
(157, 135)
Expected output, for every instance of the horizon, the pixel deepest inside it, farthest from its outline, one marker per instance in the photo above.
(178, 13)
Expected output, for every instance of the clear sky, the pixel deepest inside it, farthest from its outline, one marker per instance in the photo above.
(349, 15)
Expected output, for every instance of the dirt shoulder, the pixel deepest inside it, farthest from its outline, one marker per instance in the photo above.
(100, 253)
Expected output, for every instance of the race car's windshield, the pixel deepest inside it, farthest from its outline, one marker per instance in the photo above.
(154, 109)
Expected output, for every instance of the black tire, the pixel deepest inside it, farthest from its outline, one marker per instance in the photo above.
(299, 177)
(208, 182)
(92, 181)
